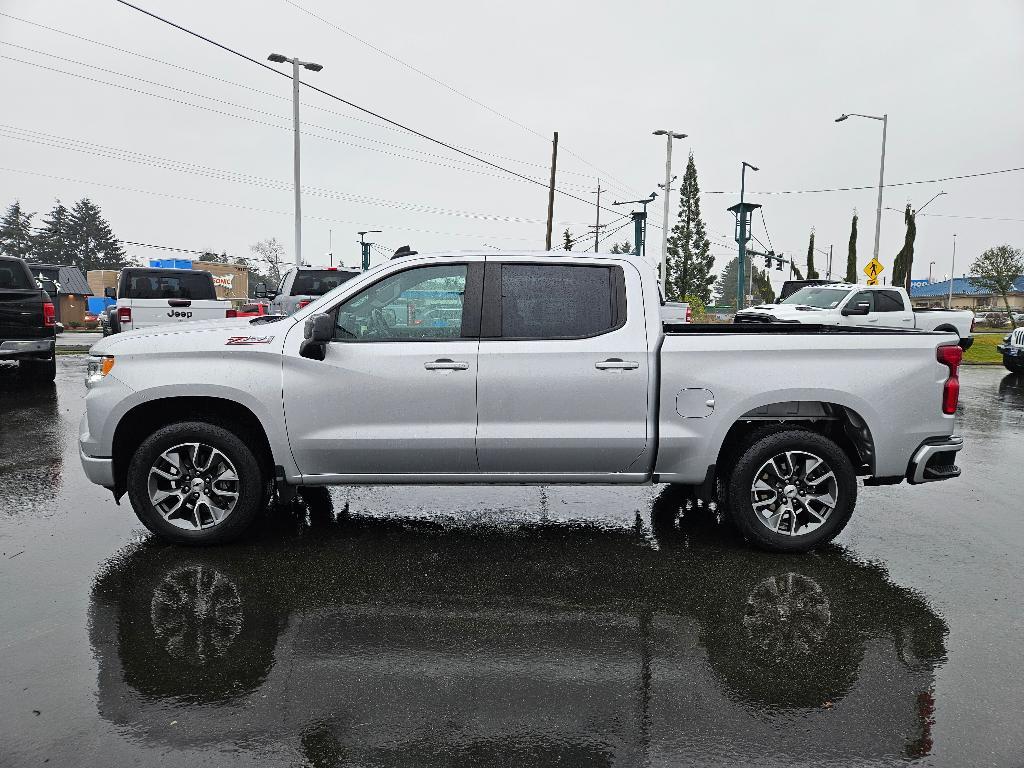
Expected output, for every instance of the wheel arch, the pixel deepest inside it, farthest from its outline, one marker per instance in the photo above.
(145, 418)
(840, 423)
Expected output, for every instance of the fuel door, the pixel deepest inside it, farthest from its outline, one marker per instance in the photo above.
(695, 403)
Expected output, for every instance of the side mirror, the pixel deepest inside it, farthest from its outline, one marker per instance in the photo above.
(261, 290)
(860, 308)
(317, 333)
(110, 292)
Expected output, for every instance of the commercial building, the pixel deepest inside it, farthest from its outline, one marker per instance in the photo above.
(967, 295)
(67, 288)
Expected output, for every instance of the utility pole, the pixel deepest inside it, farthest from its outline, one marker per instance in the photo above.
(742, 211)
(551, 191)
(364, 247)
(639, 222)
(952, 275)
(829, 275)
(277, 58)
(597, 221)
(330, 247)
(669, 135)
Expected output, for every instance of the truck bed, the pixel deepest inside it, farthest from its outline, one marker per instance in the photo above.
(788, 329)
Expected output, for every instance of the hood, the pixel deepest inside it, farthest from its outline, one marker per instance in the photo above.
(201, 334)
(782, 310)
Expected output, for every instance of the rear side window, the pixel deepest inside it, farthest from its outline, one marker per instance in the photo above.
(317, 282)
(888, 301)
(14, 275)
(168, 285)
(551, 301)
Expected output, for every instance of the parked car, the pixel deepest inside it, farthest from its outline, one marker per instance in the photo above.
(253, 309)
(675, 312)
(869, 306)
(560, 371)
(27, 322)
(301, 285)
(1012, 350)
(148, 296)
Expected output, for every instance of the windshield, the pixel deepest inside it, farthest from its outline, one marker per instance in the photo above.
(317, 282)
(817, 296)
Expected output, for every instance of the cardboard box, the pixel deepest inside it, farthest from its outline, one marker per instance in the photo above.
(99, 279)
(230, 280)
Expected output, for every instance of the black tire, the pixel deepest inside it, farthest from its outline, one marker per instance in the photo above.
(38, 371)
(1012, 365)
(753, 458)
(251, 483)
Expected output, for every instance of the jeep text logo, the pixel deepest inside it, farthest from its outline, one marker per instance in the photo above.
(176, 313)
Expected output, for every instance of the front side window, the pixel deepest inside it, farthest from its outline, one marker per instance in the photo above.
(813, 296)
(549, 301)
(888, 301)
(423, 304)
(864, 297)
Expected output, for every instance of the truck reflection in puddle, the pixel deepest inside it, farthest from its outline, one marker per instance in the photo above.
(392, 641)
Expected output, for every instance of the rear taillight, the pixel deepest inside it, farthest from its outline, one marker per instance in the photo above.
(950, 356)
(124, 314)
(49, 314)
(689, 313)
(231, 313)
(304, 302)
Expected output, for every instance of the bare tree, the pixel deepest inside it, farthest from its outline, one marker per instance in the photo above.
(267, 262)
(996, 270)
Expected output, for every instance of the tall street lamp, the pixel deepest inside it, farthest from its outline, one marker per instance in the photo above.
(881, 170)
(669, 135)
(742, 210)
(277, 58)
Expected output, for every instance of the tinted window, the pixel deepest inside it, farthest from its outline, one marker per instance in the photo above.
(549, 301)
(424, 303)
(864, 297)
(888, 301)
(14, 275)
(317, 282)
(168, 285)
(823, 298)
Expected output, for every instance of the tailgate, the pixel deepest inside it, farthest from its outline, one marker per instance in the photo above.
(152, 312)
(21, 314)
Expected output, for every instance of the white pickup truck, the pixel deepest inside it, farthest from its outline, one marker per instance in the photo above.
(870, 306)
(515, 368)
(147, 297)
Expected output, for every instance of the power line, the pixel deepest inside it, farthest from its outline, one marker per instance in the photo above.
(448, 87)
(108, 152)
(353, 104)
(977, 218)
(875, 186)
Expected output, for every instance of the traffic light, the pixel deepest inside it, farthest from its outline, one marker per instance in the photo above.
(779, 265)
(767, 261)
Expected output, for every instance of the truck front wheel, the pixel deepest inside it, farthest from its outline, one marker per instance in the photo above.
(1012, 364)
(791, 491)
(195, 483)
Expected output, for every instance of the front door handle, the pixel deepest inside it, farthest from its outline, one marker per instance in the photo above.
(616, 364)
(446, 364)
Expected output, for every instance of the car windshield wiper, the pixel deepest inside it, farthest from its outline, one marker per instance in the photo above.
(266, 319)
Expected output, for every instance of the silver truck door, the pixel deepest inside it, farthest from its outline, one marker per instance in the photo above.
(563, 377)
(397, 390)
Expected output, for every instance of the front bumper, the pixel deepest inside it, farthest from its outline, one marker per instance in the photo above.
(935, 460)
(31, 348)
(98, 470)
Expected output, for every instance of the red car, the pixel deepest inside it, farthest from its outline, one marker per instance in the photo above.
(256, 309)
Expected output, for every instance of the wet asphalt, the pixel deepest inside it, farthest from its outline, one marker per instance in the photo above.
(510, 626)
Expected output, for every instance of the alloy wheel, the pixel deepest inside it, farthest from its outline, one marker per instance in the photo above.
(193, 486)
(794, 492)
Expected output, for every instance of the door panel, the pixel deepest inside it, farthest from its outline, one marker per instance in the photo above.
(573, 405)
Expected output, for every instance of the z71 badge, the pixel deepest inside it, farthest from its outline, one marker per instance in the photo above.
(240, 340)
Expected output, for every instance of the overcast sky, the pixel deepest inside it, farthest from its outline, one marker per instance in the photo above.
(751, 81)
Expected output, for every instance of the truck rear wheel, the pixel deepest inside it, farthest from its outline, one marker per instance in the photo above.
(791, 491)
(195, 483)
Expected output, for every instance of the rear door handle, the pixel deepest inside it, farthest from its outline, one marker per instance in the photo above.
(446, 364)
(616, 364)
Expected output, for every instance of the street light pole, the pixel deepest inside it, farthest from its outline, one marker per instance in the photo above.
(881, 171)
(669, 135)
(952, 275)
(277, 58)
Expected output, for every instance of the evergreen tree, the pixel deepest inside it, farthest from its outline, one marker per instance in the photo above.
(93, 242)
(568, 241)
(16, 232)
(904, 260)
(689, 251)
(812, 273)
(851, 254)
(725, 286)
(759, 284)
(53, 244)
(623, 247)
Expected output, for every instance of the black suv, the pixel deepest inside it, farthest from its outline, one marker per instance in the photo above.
(27, 322)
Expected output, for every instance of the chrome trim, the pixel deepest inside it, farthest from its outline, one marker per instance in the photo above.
(20, 347)
(915, 472)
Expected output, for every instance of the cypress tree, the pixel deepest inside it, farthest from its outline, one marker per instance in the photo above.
(54, 242)
(689, 251)
(812, 273)
(904, 260)
(16, 232)
(94, 244)
(851, 254)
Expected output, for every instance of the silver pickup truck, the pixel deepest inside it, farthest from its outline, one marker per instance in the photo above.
(515, 368)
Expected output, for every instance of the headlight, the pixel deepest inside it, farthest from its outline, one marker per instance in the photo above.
(97, 369)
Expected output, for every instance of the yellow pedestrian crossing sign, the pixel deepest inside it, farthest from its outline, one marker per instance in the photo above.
(873, 269)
